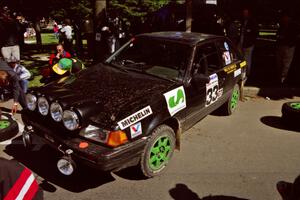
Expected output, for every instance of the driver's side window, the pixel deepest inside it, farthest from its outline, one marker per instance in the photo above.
(206, 60)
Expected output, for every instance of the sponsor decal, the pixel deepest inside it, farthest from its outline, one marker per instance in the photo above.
(229, 69)
(136, 130)
(220, 92)
(243, 64)
(132, 119)
(175, 100)
(226, 57)
(212, 90)
(237, 72)
(226, 46)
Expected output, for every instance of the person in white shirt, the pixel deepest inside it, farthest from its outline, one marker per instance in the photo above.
(22, 73)
(66, 31)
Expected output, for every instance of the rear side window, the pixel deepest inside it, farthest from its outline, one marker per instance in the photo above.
(228, 52)
(207, 58)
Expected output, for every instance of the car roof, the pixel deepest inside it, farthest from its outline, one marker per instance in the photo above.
(189, 38)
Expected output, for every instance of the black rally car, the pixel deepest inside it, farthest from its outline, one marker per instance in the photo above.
(133, 108)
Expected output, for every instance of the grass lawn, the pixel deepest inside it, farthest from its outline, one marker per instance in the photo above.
(47, 39)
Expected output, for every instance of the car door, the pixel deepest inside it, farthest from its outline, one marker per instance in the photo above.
(231, 65)
(202, 95)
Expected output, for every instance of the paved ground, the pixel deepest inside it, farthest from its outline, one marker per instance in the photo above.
(236, 157)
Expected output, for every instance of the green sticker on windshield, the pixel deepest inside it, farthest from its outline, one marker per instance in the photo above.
(175, 100)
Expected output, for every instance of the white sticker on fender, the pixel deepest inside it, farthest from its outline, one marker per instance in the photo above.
(212, 89)
(237, 72)
(132, 119)
(175, 100)
(136, 130)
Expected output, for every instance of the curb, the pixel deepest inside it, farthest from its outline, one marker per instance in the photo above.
(273, 92)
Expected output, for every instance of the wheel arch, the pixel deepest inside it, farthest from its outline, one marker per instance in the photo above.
(173, 122)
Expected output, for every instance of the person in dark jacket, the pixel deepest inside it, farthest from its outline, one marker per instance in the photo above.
(10, 36)
(17, 182)
(248, 35)
(286, 45)
(10, 81)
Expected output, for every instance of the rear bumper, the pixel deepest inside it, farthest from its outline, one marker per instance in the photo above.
(95, 155)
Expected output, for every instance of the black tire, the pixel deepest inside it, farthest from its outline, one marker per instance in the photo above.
(291, 113)
(161, 133)
(8, 127)
(228, 108)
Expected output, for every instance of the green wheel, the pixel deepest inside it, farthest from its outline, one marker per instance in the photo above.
(291, 113)
(235, 97)
(158, 151)
(295, 105)
(231, 104)
(8, 127)
(4, 124)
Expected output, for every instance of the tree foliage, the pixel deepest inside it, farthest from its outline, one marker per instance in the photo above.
(136, 9)
(76, 10)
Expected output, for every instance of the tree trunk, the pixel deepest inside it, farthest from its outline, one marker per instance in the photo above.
(99, 17)
(188, 21)
(38, 36)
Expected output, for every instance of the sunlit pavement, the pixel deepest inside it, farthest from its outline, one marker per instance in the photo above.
(241, 156)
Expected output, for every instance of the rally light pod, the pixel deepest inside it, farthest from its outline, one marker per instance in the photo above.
(66, 166)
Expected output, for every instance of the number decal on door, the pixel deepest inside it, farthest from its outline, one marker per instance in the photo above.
(212, 89)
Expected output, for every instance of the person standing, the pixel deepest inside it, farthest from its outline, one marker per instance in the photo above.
(9, 44)
(248, 35)
(56, 30)
(286, 44)
(67, 32)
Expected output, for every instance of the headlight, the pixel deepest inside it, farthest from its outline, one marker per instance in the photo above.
(110, 138)
(56, 112)
(43, 106)
(31, 101)
(71, 120)
(95, 133)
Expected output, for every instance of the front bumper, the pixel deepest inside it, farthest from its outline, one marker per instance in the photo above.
(95, 155)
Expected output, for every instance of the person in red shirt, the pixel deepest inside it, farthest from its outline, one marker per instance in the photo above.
(47, 72)
(60, 53)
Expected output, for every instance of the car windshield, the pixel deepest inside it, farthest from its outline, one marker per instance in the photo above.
(159, 58)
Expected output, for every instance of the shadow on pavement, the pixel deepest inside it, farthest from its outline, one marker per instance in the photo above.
(182, 192)
(277, 122)
(131, 173)
(43, 163)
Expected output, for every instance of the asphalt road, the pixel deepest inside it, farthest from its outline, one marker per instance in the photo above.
(237, 157)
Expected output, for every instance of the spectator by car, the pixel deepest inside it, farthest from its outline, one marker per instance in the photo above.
(133, 108)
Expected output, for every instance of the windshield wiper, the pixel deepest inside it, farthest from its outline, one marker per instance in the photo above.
(130, 63)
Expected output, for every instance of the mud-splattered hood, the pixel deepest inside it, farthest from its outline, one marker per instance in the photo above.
(105, 94)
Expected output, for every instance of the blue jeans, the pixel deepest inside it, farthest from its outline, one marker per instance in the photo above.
(24, 85)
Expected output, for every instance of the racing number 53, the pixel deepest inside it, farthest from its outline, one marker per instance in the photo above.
(212, 95)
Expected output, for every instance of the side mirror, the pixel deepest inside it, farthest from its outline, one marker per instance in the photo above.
(200, 79)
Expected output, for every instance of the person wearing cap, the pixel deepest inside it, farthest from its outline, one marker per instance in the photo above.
(22, 72)
(11, 82)
(68, 66)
